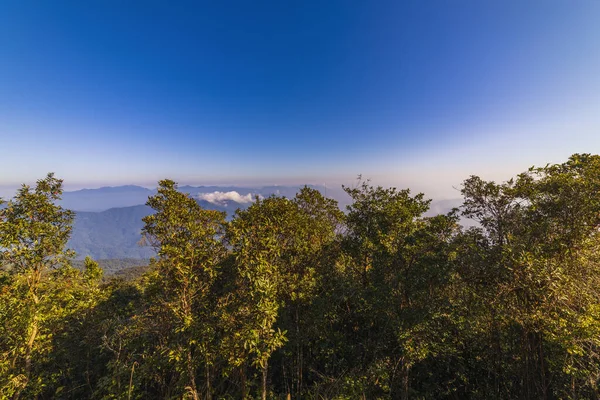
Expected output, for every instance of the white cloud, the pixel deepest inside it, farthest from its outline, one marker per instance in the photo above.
(221, 197)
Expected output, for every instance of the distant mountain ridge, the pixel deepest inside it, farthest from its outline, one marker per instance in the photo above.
(104, 198)
(108, 220)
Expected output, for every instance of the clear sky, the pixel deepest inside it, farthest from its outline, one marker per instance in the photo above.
(410, 93)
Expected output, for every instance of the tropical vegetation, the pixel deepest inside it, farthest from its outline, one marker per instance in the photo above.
(293, 298)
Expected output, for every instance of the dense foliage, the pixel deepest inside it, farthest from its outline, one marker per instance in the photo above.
(128, 268)
(293, 298)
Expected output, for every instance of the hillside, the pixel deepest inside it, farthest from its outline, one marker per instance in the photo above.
(114, 233)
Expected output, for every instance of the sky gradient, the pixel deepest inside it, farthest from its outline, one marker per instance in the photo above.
(408, 93)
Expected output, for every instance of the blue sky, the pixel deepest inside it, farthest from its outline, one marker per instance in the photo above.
(408, 93)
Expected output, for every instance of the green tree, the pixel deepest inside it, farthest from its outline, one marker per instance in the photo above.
(259, 237)
(532, 270)
(190, 250)
(307, 258)
(33, 234)
(400, 263)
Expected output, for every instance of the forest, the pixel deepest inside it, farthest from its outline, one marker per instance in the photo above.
(298, 299)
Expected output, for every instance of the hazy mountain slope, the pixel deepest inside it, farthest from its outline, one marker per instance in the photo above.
(105, 198)
(114, 233)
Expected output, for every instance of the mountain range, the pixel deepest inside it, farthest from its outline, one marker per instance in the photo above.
(108, 220)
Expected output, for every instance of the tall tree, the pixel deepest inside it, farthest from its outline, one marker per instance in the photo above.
(259, 237)
(34, 231)
(306, 261)
(537, 284)
(190, 249)
(399, 260)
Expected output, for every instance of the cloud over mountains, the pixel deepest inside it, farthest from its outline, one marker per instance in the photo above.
(222, 197)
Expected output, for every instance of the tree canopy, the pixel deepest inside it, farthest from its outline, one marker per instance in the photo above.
(295, 298)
